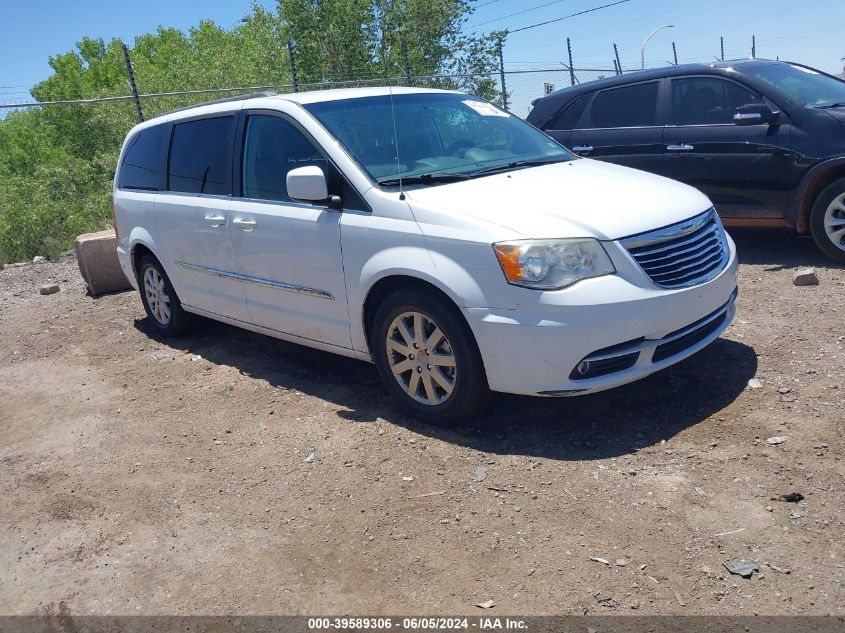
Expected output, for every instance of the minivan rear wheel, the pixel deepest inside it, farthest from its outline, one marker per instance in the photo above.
(827, 221)
(427, 358)
(161, 303)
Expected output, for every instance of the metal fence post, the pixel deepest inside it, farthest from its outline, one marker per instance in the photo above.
(618, 63)
(571, 70)
(134, 88)
(675, 53)
(753, 47)
(722, 47)
(406, 64)
(292, 57)
(502, 74)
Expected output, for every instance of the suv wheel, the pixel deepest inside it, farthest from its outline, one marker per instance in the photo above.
(427, 358)
(827, 221)
(162, 305)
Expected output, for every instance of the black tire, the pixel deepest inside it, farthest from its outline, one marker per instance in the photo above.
(470, 393)
(179, 321)
(817, 221)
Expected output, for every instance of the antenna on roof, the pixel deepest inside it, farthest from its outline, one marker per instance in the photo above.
(396, 143)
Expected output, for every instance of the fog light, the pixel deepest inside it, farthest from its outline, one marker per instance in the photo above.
(583, 368)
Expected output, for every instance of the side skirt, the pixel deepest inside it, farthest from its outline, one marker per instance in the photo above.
(290, 338)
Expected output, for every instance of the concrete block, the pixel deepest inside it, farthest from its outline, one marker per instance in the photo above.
(96, 254)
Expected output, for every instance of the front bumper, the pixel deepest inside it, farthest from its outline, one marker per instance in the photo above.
(625, 331)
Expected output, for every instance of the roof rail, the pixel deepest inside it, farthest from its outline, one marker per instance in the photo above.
(251, 95)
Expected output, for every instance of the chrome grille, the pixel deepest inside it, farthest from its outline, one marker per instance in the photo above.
(683, 254)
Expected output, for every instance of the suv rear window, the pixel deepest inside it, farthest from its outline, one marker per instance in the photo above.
(142, 161)
(201, 156)
(631, 106)
(571, 114)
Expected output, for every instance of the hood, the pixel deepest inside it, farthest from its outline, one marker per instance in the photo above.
(580, 198)
(837, 113)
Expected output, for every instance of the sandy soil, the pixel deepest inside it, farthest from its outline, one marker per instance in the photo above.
(226, 472)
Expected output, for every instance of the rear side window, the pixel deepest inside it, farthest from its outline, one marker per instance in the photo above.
(142, 161)
(571, 114)
(201, 156)
(631, 106)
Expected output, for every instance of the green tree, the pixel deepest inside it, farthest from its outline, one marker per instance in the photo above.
(57, 163)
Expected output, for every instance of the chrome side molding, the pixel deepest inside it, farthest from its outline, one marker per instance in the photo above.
(281, 285)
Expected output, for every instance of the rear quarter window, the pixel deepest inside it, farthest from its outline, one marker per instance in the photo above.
(571, 114)
(142, 166)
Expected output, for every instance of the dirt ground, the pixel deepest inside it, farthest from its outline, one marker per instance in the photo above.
(230, 473)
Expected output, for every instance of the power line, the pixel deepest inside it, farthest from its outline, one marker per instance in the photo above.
(510, 15)
(566, 17)
(484, 4)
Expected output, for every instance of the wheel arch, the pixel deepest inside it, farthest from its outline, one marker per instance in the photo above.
(142, 243)
(816, 181)
(388, 284)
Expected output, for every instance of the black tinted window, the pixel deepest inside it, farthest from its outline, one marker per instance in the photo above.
(200, 156)
(631, 106)
(708, 100)
(272, 147)
(142, 162)
(571, 114)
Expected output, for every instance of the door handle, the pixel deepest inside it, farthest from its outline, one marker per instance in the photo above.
(682, 147)
(582, 148)
(215, 220)
(245, 224)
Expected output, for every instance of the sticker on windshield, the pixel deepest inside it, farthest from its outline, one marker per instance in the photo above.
(485, 109)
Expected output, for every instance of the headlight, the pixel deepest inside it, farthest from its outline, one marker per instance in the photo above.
(552, 264)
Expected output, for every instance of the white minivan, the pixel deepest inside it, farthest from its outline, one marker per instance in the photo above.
(429, 232)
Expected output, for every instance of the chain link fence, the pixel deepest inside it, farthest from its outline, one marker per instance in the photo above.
(519, 87)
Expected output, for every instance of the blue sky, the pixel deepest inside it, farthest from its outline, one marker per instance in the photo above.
(809, 32)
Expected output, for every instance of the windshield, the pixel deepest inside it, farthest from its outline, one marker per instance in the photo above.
(442, 136)
(805, 85)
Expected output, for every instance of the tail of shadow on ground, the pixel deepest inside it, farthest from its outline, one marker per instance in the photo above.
(777, 249)
(601, 425)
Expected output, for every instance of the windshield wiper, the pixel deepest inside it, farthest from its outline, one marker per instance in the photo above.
(424, 179)
(518, 164)
(841, 104)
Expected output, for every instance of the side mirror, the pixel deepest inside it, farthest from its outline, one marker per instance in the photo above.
(755, 114)
(307, 184)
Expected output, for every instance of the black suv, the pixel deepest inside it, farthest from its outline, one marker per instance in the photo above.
(765, 140)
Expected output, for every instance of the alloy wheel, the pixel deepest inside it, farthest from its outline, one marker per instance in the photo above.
(421, 358)
(156, 294)
(834, 221)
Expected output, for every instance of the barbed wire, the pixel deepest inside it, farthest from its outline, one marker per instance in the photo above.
(287, 87)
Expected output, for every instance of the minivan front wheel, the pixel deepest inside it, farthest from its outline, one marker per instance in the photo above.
(827, 221)
(162, 305)
(427, 358)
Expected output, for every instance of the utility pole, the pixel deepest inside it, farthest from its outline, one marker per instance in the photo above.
(571, 70)
(502, 74)
(675, 53)
(722, 47)
(616, 53)
(292, 57)
(753, 47)
(134, 88)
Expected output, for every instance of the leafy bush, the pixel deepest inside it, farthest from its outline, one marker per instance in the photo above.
(57, 163)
